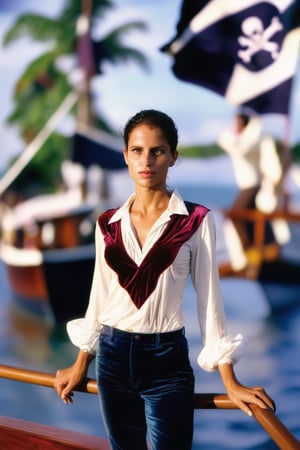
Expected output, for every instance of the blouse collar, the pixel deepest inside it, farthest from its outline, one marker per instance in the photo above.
(176, 206)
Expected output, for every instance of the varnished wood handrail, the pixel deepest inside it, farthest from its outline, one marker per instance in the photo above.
(266, 418)
(260, 219)
(275, 428)
(42, 378)
(252, 214)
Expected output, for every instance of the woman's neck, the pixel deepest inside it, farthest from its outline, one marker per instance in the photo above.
(144, 212)
(148, 201)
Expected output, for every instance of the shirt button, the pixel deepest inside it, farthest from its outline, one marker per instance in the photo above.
(137, 337)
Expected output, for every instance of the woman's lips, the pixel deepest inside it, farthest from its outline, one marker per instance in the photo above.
(146, 174)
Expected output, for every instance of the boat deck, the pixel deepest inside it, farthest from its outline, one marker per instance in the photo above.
(16, 433)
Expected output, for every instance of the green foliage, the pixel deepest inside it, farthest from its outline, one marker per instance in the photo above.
(118, 52)
(40, 28)
(43, 85)
(36, 101)
(43, 174)
(296, 152)
(206, 151)
(197, 151)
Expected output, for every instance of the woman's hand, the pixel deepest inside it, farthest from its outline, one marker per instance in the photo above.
(242, 395)
(67, 379)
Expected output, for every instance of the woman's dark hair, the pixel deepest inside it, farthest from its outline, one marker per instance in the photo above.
(156, 119)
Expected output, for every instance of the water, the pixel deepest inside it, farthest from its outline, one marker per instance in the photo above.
(272, 360)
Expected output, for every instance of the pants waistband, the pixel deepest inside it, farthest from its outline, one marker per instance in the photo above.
(151, 338)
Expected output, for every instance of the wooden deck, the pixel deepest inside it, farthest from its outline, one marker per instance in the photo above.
(21, 434)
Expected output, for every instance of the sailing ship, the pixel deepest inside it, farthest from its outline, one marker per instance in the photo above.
(47, 242)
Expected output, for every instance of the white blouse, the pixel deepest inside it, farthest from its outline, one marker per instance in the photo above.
(110, 303)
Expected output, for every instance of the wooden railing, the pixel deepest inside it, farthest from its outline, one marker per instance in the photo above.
(258, 251)
(284, 439)
(260, 219)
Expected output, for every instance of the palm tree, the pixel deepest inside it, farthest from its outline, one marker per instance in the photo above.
(44, 83)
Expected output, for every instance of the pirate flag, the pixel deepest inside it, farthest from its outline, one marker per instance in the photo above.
(246, 51)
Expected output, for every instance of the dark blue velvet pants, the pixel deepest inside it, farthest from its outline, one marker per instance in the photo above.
(146, 386)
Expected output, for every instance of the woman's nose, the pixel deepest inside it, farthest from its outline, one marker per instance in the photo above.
(147, 158)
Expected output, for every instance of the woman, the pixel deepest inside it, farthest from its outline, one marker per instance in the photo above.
(145, 252)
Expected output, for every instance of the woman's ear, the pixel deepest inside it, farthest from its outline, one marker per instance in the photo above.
(174, 156)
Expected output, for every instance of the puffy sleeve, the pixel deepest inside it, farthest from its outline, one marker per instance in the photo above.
(84, 332)
(217, 347)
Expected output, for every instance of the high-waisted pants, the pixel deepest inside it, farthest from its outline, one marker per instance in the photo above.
(146, 387)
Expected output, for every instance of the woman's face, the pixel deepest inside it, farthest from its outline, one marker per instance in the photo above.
(148, 157)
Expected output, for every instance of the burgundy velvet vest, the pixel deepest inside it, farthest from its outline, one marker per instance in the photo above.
(140, 281)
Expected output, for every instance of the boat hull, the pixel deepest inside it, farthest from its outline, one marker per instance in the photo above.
(280, 281)
(53, 287)
(68, 275)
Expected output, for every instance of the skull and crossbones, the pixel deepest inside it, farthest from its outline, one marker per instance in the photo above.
(257, 39)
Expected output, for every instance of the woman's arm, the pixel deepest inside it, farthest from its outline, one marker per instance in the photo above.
(67, 379)
(84, 333)
(242, 395)
(220, 349)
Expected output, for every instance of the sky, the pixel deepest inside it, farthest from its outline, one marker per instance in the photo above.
(200, 114)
